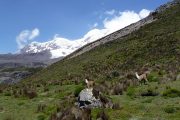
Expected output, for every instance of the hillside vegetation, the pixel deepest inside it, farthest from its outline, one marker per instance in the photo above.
(154, 47)
(154, 44)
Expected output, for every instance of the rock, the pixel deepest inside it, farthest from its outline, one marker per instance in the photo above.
(87, 100)
(86, 95)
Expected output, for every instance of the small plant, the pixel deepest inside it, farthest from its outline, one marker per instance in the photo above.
(7, 94)
(118, 89)
(78, 90)
(116, 106)
(102, 115)
(1, 109)
(149, 92)
(171, 92)
(41, 117)
(41, 107)
(131, 91)
(170, 109)
(149, 100)
(153, 77)
(1, 91)
(115, 74)
(46, 89)
(21, 103)
(31, 94)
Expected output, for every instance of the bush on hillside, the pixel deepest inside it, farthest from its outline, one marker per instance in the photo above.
(1, 91)
(131, 91)
(153, 77)
(118, 89)
(170, 109)
(41, 117)
(112, 74)
(41, 107)
(171, 92)
(7, 94)
(31, 94)
(1, 108)
(115, 74)
(149, 92)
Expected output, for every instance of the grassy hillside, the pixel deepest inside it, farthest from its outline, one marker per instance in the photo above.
(155, 47)
(154, 44)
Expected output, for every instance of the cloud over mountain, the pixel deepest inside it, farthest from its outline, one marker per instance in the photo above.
(60, 46)
(25, 36)
(110, 12)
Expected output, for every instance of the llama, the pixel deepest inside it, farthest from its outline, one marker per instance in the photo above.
(142, 78)
(89, 83)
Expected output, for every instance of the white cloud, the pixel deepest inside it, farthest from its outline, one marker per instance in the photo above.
(111, 12)
(95, 25)
(25, 36)
(65, 46)
(124, 19)
(34, 34)
(143, 13)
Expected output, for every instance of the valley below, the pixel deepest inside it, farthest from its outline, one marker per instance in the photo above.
(15, 67)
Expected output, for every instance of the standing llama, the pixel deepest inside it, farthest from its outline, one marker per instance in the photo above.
(142, 78)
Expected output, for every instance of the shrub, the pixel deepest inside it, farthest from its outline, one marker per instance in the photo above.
(8, 117)
(102, 115)
(116, 106)
(171, 92)
(170, 109)
(149, 100)
(78, 90)
(1, 91)
(149, 92)
(118, 89)
(115, 74)
(38, 85)
(1, 109)
(41, 117)
(7, 94)
(108, 77)
(112, 75)
(41, 107)
(153, 77)
(21, 103)
(131, 91)
(31, 94)
(46, 89)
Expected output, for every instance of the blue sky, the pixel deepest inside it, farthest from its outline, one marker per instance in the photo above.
(70, 19)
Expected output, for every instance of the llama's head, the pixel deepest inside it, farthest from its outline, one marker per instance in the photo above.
(89, 83)
(137, 75)
(86, 81)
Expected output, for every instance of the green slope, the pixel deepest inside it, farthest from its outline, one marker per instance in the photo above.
(155, 46)
(156, 43)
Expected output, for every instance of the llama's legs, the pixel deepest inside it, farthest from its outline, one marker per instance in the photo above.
(145, 80)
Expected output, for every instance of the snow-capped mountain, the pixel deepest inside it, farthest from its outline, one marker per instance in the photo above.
(60, 47)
